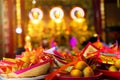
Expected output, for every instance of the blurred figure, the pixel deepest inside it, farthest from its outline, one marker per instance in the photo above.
(28, 44)
(53, 42)
(36, 27)
(79, 27)
(79, 22)
(45, 43)
(57, 25)
(20, 50)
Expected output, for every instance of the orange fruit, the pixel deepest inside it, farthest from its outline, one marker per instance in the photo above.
(88, 71)
(112, 68)
(80, 65)
(117, 63)
(76, 73)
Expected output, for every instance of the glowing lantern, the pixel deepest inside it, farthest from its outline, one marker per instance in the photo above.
(18, 30)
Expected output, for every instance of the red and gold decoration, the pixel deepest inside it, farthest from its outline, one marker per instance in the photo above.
(87, 63)
(66, 57)
(26, 64)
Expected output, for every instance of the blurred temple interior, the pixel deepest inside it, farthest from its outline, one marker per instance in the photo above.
(65, 23)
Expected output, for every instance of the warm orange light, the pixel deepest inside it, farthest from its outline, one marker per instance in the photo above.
(77, 12)
(56, 14)
(36, 15)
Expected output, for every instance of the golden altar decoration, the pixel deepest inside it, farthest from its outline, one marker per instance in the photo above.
(57, 25)
(35, 26)
(57, 29)
(78, 25)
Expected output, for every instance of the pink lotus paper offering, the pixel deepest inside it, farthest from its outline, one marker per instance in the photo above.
(31, 63)
(31, 71)
(6, 66)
